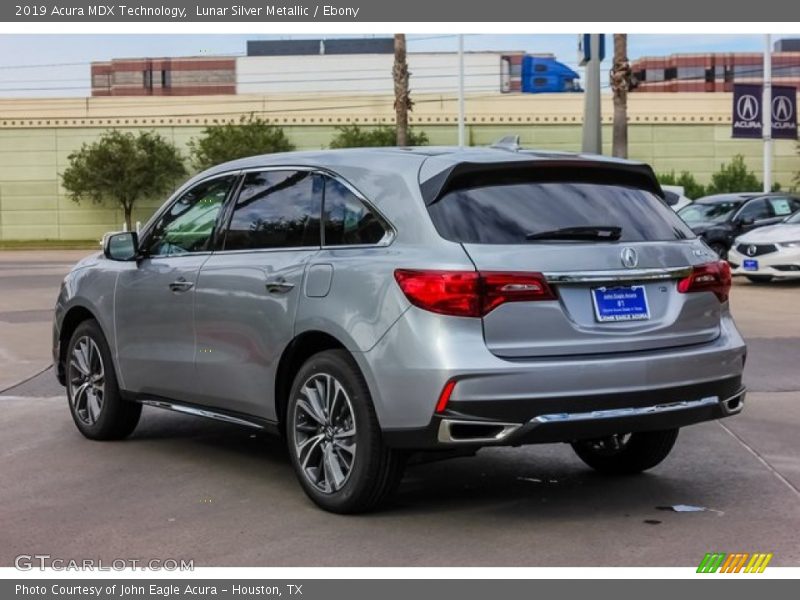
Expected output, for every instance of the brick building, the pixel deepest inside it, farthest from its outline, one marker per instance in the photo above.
(190, 76)
(712, 72)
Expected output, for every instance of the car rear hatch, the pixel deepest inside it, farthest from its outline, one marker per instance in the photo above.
(612, 258)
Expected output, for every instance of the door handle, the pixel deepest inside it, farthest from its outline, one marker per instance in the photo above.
(181, 285)
(278, 286)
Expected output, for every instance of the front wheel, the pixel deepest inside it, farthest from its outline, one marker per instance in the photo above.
(334, 437)
(626, 454)
(97, 407)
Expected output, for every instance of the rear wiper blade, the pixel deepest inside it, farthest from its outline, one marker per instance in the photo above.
(587, 232)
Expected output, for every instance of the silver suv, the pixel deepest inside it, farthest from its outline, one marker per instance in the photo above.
(373, 304)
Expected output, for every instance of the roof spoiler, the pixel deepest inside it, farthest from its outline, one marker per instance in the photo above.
(465, 175)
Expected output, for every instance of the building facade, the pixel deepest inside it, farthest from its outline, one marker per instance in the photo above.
(189, 76)
(712, 72)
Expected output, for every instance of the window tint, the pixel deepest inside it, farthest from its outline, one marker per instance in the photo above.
(276, 209)
(755, 209)
(189, 222)
(347, 220)
(509, 214)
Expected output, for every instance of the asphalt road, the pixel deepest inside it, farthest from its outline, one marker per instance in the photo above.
(184, 487)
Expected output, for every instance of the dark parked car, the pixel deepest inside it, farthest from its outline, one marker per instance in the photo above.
(719, 219)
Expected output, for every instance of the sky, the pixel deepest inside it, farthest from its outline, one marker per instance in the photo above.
(58, 65)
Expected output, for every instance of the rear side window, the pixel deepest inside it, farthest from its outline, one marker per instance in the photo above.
(276, 209)
(347, 220)
(510, 214)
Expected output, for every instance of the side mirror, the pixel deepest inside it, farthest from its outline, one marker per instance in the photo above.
(122, 246)
(746, 221)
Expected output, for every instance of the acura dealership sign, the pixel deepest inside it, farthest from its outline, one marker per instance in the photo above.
(747, 112)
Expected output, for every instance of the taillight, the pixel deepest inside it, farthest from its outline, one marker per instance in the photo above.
(470, 293)
(711, 277)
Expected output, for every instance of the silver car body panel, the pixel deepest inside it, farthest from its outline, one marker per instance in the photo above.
(218, 343)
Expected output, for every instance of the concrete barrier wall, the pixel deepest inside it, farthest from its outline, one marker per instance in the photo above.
(671, 131)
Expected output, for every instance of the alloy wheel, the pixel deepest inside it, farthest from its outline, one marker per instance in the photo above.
(87, 380)
(324, 432)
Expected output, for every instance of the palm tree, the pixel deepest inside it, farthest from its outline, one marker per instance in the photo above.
(402, 99)
(620, 85)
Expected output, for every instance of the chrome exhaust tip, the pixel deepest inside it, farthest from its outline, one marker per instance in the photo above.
(453, 431)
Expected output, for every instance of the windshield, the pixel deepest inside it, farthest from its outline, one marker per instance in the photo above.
(794, 219)
(716, 212)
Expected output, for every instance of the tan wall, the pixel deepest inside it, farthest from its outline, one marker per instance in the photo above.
(670, 131)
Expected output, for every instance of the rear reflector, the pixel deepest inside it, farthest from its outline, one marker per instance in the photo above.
(711, 277)
(444, 397)
(470, 293)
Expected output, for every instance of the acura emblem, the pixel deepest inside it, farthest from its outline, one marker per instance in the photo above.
(751, 250)
(782, 108)
(629, 257)
(747, 107)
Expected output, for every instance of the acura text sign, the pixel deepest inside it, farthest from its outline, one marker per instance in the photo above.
(747, 111)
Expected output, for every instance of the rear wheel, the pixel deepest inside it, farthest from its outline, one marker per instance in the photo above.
(759, 278)
(626, 454)
(334, 437)
(95, 401)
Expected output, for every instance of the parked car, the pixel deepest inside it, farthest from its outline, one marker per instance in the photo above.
(368, 304)
(719, 219)
(771, 252)
(675, 197)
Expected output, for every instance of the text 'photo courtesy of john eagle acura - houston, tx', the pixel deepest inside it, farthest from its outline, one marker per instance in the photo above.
(374, 305)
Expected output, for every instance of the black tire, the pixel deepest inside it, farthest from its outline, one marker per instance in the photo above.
(116, 417)
(374, 471)
(720, 248)
(759, 278)
(639, 452)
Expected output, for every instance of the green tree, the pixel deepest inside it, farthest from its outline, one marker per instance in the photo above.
(123, 168)
(353, 136)
(734, 177)
(249, 137)
(691, 188)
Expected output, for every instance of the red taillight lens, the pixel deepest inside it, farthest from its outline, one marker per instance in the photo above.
(445, 292)
(470, 293)
(711, 277)
(499, 288)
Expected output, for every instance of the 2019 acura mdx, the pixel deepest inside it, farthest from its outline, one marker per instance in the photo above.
(371, 303)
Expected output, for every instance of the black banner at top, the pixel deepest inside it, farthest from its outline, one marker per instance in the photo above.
(448, 11)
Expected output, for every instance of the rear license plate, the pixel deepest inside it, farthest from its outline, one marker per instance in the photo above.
(621, 303)
(750, 265)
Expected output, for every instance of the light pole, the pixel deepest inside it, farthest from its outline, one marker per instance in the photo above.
(592, 134)
(766, 113)
(461, 124)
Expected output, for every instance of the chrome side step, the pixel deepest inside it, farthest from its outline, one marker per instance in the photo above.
(201, 412)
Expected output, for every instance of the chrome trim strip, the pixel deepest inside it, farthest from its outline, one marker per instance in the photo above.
(626, 412)
(446, 436)
(618, 275)
(201, 412)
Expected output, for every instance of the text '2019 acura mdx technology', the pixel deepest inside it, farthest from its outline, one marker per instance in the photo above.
(371, 304)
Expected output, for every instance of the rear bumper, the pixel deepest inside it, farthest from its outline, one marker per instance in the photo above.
(517, 423)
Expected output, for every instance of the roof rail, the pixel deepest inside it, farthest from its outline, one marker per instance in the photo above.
(508, 142)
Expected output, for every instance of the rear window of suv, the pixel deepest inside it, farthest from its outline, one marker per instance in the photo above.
(512, 213)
